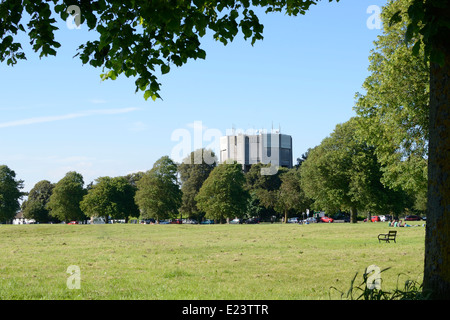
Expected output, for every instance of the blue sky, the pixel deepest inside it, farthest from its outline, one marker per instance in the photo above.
(56, 115)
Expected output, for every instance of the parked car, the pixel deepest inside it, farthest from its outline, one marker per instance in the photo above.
(236, 221)
(326, 219)
(207, 222)
(73, 222)
(164, 222)
(342, 217)
(176, 221)
(190, 221)
(375, 219)
(293, 220)
(252, 221)
(412, 218)
(309, 220)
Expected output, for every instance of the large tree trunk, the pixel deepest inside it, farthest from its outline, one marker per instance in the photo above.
(437, 241)
(353, 215)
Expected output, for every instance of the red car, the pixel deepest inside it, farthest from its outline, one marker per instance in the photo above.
(326, 219)
(375, 218)
(73, 222)
(412, 218)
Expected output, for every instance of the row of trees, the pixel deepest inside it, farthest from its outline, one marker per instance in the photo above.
(169, 190)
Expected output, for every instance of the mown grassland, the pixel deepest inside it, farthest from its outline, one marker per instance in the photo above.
(265, 261)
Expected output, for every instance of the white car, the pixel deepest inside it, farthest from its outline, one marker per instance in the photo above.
(98, 220)
(309, 220)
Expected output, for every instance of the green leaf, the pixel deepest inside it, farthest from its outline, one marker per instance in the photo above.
(396, 17)
(165, 69)
(201, 54)
(409, 33)
(112, 75)
(416, 48)
(148, 94)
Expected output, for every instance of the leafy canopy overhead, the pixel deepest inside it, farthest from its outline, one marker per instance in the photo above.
(138, 38)
(142, 38)
(428, 27)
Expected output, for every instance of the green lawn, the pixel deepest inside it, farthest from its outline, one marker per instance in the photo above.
(265, 261)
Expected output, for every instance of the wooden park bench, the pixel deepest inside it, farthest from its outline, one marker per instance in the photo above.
(387, 237)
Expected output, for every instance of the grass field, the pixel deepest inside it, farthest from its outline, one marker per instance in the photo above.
(265, 261)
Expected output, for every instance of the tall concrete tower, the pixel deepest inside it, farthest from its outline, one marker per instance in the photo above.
(247, 149)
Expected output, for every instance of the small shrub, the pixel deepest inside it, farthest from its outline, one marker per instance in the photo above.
(412, 290)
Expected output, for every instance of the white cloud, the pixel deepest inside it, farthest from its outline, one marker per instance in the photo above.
(44, 119)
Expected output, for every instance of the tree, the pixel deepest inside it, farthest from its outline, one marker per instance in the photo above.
(158, 194)
(256, 209)
(437, 240)
(255, 180)
(302, 159)
(110, 197)
(65, 200)
(35, 207)
(394, 108)
(10, 193)
(133, 178)
(193, 173)
(343, 173)
(222, 195)
(291, 196)
(263, 189)
(429, 27)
